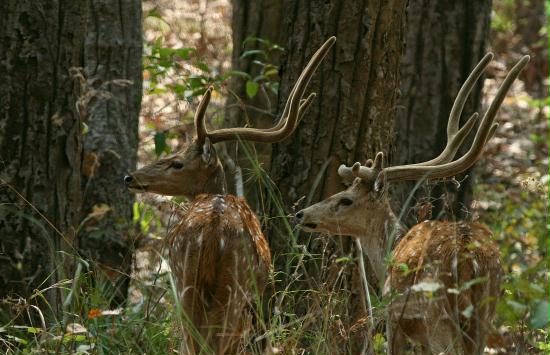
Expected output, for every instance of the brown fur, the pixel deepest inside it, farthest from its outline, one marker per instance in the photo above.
(220, 260)
(452, 254)
(218, 254)
(449, 253)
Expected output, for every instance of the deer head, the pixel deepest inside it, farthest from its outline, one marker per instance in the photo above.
(197, 169)
(356, 210)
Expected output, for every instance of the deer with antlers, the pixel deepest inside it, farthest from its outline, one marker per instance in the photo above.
(218, 254)
(446, 274)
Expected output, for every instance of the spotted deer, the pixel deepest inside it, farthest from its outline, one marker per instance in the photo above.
(218, 255)
(445, 276)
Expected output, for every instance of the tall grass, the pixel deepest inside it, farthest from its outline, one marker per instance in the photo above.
(313, 304)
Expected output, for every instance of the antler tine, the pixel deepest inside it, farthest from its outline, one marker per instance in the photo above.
(455, 137)
(200, 126)
(296, 108)
(453, 144)
(368, 171)
(485, 131)
(301, 112)
(464, 92)
(345, 173)
(364, 172)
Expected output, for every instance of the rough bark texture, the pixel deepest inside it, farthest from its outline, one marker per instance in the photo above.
(112, 53)
(351, 118)
(253, 19)
(444, 42)
(45, 100)
(40, 143)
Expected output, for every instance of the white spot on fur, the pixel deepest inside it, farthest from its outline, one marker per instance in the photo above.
(199, 239)
(475, 265)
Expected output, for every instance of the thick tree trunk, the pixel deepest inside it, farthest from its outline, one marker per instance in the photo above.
(351, 118)
(112, 55)
(40, 143)
(444, 42)
(63, 102)
(253, 19)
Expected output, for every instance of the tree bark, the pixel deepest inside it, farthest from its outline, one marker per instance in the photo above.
(444, 42)
(351, 118)
(261, 19)
(68, 133)
(112, 54)
(40, 144)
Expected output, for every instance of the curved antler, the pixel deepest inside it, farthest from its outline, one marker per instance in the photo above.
(200, 128)
(443, 165)
(431, 170)
(369, 171)
(295, 107)
(455, 137)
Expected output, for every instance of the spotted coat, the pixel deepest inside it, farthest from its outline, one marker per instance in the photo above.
(462, 260)
(220, 259)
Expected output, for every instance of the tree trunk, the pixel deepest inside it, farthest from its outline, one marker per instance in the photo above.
(253, 19)
(352, 117)
(112, 55)
(350, 120)
(67, 136)
(40, 144)
(444, 42)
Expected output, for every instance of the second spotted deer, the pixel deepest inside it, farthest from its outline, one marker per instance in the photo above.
(456, 262)
(218, 255)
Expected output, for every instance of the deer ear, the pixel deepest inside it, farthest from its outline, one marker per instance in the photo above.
(207, 151)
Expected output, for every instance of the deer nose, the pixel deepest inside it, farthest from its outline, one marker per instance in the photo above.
(299, 215)
(128, 179)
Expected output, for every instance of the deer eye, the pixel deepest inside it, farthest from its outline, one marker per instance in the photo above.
(176, 165)
(345, 201)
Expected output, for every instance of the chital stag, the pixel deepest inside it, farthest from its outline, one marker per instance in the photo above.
(458, 257)
(218, 254)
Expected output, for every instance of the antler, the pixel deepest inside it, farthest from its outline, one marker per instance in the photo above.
(444, 166)
(294, 109)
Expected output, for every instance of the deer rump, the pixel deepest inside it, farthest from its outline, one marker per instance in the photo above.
(220, 259)
(456, 269)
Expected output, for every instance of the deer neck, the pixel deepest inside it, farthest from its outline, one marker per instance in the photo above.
(214, 182)
(377, 233)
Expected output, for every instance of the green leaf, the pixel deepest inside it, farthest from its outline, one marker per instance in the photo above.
(271, 72)
(202, 66)
(195, 82)
(239, 73)
(33, 330)
(153, 13)
(344, 259)
(255, 39)
(165, 52)
(184, 53)
(540, 314)
(517, 307)
(252, 88)
(253, 52)
(19, 340)
(160, 143)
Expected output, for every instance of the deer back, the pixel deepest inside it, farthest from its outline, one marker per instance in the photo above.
(219, 237)
(459, 267)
